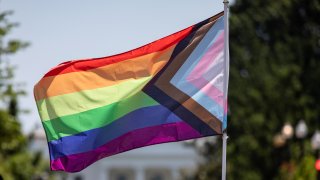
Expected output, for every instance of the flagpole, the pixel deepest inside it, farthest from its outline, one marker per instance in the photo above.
(224, 155)
(226, 73)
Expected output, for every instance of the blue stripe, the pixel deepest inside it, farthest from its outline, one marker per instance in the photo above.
(91, 139)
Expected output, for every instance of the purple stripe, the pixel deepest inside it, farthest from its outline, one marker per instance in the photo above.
(142, 137)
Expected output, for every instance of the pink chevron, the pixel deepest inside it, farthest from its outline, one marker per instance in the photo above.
(195, 77)
(210, 90)
(207, 59)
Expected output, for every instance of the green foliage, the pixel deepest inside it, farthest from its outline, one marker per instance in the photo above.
(13, 45)
(11, 139)
(305, 169)
(23, 165)
(15, 161)
(274, 78)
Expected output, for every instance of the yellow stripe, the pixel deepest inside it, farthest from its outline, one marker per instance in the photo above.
(81, 101)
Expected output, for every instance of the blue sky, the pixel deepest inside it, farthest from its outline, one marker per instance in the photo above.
(75, 29)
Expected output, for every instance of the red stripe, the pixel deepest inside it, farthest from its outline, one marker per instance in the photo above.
(86, 64)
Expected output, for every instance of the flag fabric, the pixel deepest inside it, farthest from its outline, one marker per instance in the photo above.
(169, 90)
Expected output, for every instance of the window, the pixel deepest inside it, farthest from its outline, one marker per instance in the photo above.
(122, 174)
(78, 177)
(158, 174)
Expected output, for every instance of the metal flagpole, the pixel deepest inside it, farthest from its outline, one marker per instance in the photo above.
(226, 73)
(224, 155)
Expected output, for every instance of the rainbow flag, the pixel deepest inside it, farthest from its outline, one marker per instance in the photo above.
(169, 90)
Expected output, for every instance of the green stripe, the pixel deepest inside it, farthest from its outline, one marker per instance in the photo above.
(95, 118)
(81, 101)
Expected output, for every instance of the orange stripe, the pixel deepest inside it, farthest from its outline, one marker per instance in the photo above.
(135, 68)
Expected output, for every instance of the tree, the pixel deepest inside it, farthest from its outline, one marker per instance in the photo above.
(274, 78)
(15, 161)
